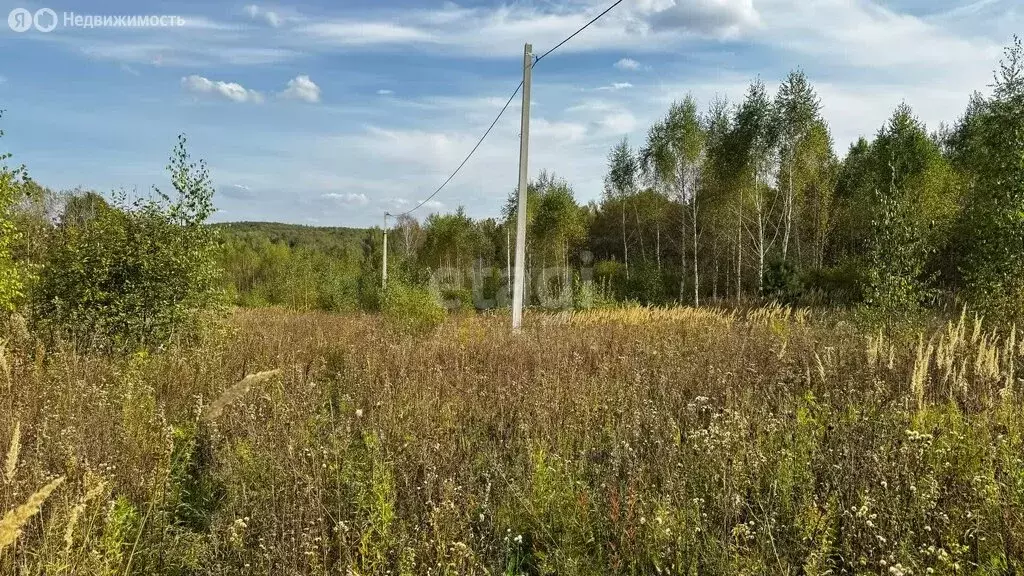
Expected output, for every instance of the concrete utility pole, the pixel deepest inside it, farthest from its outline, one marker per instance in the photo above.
(384, 268)
(508, 260)
(524, 153)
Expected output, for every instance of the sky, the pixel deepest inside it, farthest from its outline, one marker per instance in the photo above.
(330, 113)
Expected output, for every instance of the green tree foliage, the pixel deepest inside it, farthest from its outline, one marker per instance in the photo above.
(559, 223)
(259, 272)
(411, 308)
(740, 202)
(133, 274)
(11, 189)
(620, 184)
(993, 140)
(299, 267)
(754, 142)
(914, 203)
(674, 160)
(818, 169)
(450, 241)
(798, 109)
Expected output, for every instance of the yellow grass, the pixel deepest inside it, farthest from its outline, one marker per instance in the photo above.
(13, 522)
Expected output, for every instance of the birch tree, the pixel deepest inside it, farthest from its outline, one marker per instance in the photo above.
(798, 109)
(756, 138)
(621, 183)
(674, 158)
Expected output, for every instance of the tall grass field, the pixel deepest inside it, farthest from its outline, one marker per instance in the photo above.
(638, 441)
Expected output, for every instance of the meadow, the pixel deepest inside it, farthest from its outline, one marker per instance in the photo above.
(627, 441)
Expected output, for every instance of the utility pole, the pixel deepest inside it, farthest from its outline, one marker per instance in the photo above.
(524, 153)
(508, 259)
(384, 268)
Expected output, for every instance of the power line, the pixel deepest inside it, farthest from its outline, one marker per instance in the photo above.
(470, 155)
(585, 26)
(503, 109)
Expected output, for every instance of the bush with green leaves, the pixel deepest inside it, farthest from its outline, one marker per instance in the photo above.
(646, 284)
(411, 308)
(128, 275)
(992, 136)
(914, 201)
(782, 282)
(11, 280)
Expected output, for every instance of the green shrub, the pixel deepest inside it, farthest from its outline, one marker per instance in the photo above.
(610, 275)
(839, 285)
(411, 308)
(457, 300)
(588, 295)
(11, 281)
(782, 282)
(132, 275)
(645, 284)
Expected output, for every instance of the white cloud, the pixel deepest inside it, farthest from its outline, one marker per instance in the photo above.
(350, 199)
(230, 90)
(557, 131)
(723, 18)
(627, 64)
(618, 123)
(863, 58)
(616, 86)
(864, 34)
(269, 16)
(646, 25)
(302, 88)
(437, 152)
(592, 106)
(362, 33)
(847, 33)
(171, 53)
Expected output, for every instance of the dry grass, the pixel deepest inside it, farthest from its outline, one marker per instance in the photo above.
(11, 462)
(233, 394)
(14, 521)
(644, 441)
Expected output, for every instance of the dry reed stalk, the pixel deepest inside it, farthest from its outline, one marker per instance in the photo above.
(920, 373)
(5, 367)
(1010, 358)
(235, 392)
(11, 463)
(821, 368)
(12, 524)
(76, 512)
(875, 345)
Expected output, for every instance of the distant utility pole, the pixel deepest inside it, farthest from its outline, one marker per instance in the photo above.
(384, 268)
(524, 153)
(508, 259)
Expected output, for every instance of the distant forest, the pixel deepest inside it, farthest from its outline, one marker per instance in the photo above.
(721, 202)
(730, 201)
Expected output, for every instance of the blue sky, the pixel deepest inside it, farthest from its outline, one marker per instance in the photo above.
(330, 113)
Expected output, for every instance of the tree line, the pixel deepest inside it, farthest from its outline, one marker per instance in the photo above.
(749, 201)
(722, 203)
